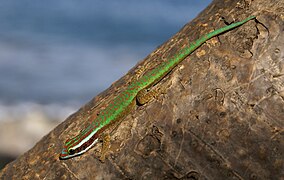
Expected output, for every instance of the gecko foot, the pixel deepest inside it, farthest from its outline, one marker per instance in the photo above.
(105, 147)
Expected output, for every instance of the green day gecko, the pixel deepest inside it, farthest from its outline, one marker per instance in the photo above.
(126, 100)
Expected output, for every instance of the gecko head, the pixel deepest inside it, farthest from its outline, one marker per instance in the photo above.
(67, 151)
(74, 147)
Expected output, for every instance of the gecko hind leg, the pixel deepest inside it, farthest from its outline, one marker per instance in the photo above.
(138, 73)
(146, 95)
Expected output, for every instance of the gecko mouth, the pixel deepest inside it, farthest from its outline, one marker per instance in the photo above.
(65, 155)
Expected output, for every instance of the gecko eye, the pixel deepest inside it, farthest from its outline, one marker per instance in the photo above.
(71, 151)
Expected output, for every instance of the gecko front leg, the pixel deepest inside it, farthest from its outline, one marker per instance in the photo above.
(106, 137)
(105, 147)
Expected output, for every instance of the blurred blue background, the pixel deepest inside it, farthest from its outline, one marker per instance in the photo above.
(57, 55)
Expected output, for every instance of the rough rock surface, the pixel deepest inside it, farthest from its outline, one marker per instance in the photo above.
(221, 117)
